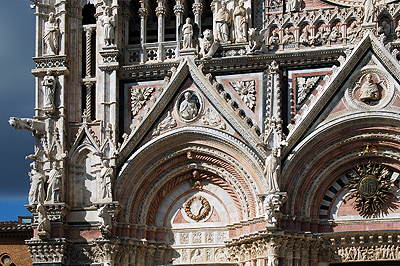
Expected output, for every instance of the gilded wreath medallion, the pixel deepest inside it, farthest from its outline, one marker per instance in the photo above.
(197, 208)
(369, 185)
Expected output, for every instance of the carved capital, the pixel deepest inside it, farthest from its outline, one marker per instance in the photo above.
(143, 13)
(160, 11)
(178, 9)
(197, 8)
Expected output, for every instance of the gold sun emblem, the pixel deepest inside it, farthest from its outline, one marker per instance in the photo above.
(369, 185)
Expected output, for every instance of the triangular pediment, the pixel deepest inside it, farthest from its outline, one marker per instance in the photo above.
(190, 98)
(341, 95)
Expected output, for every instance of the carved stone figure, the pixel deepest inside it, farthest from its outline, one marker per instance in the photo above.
(51, 35)
(369, 90)
(335, 35)
(44, 226)
(397, 30)
(54, 189)
(293, 5)
(353, 31)
(187, 31)
(305, 37)
(273, 39)
(369, 11)
(188, 108)
(207, 45)
(105, 221)
(288, 38)
(223, 21)
(270, 202)
(37, 193)
(167, 123)
(384, 28)
(108, 22)
(241, 19)
(49, 85)
(272, 170)
(33, 125)
(256, 44)
(106, 175)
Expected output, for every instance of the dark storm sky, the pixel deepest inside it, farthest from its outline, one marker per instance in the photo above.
(17, 33)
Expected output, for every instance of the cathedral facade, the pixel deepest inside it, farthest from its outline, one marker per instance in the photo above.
(226, 132)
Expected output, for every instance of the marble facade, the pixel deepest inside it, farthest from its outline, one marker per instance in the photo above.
(177, 132)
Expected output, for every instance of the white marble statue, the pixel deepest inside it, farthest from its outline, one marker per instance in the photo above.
(272, 170)
(188, 108)
(256, 42)
(222, 20)
(106, 175)
(37, 193)
(335, 35)
(207, 45)
(51, 35)
(273, 39)
(187, 31)
(305, 37)
(293, 5)
(288, 37)
(369, 11)
(369, 90)
(353, 31)
(241, 19)
(43, 221)
(108, 22)
(54, 188)
(49, 85)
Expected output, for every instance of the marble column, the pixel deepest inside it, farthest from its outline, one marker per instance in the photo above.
(197, 11)
(178, 10)
(160, 12)
(143, 13)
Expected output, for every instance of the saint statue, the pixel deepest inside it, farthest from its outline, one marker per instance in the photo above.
(293, 5)
(223, 21)
(369, 11)
(106, 176)
(37, 192)
(54, 189)
(49, 85)
(188, 108)
(241, 21)
(108, 22)
(51, 35)
(272, 169)
(187, 31)
(369, 90)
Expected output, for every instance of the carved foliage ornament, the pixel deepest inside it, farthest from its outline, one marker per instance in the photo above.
(139, 97)
(305, 86)
(246, 91)
(197, 208)
(369, 185)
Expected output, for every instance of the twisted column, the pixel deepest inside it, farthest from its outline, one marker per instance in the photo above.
(88, 31)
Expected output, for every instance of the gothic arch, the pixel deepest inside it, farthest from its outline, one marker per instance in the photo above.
(333, 149)
(169, 159)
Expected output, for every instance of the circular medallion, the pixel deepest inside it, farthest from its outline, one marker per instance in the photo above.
(197, 208)
(368, 186)
(188, 106)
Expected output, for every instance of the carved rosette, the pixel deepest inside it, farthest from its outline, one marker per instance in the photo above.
(197, 208)
(139, 98)
(369, 185)
(246, 91)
